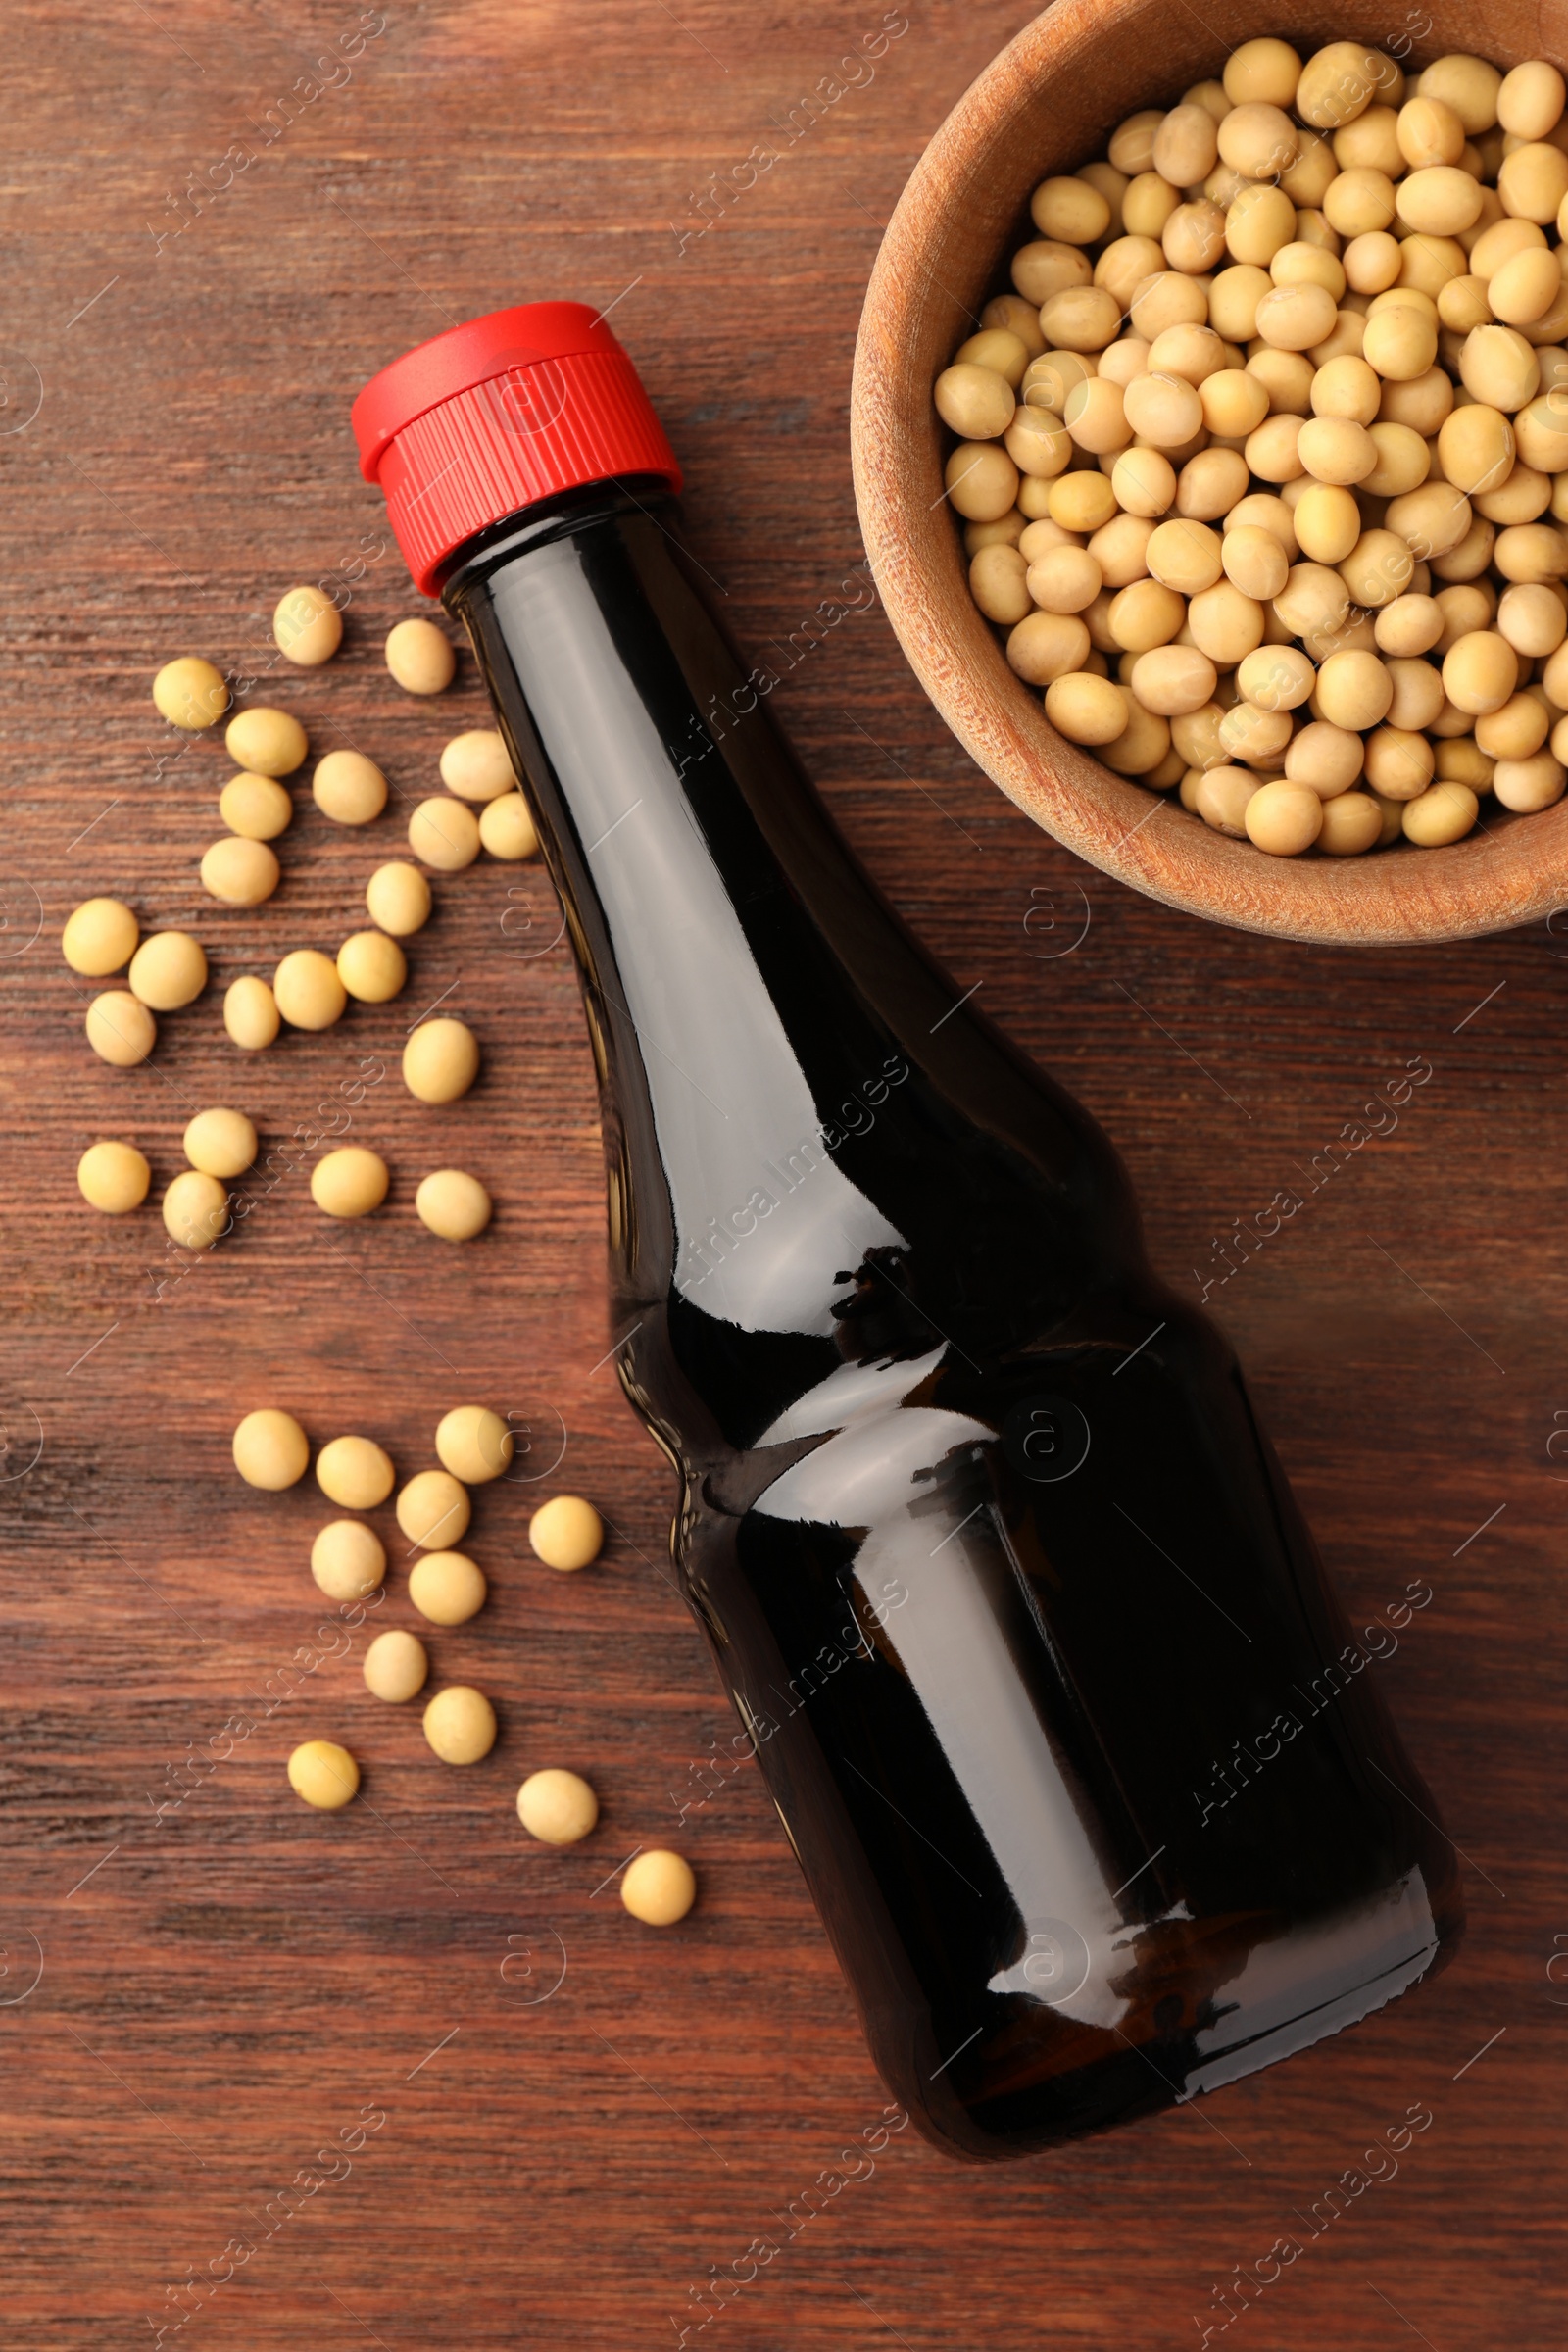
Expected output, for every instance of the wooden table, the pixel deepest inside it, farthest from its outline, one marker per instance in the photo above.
(229, 1985)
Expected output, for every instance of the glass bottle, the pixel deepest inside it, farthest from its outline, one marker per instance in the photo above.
(1084, 1765)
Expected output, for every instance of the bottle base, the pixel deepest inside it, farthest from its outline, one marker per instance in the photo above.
(1285, 1992)
(1269, 2021)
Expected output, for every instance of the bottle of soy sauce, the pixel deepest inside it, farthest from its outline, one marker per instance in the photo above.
(1085, 1767)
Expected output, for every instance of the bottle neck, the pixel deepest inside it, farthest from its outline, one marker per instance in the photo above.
(760, 1016)
(609, 675)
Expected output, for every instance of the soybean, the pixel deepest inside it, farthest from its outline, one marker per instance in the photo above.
(113, 1177)
(474, 1443)
(190, 694)
(167, 971)
(421, 659)
(371, 966)
(1353, 823)
(1284, 819)
(447, 1588)
(558, 1807)
(356, 1472)
(120, 1029)
(99, 938)
(221, 1143)
(308, 989)
(506, 828)
(196, 1211)
(445, 834)
(1444, 813)
(348, 1559)
(441, 1061)
(433, 1510)
(349, 788)
(398, 899)
(452, 1205)
(256, 806)
(658, 1887)
(459, 1724)
(265, 742)
(307, 627)
(567, 1532)
(270, 1450)
(351, 1182)
(250, 1014)
(324, 1775)
(241, 871)
(396, 1666)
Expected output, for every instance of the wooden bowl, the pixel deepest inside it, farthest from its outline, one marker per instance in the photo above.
(1050, 103)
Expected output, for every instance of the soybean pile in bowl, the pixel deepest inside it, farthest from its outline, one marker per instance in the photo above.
(1100, 470)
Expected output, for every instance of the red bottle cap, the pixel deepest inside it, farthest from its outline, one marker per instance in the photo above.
(495, 415)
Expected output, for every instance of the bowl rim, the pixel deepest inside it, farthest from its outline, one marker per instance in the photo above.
(1487, 883)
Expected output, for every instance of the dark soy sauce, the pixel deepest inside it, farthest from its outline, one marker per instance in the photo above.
(1079, 1755)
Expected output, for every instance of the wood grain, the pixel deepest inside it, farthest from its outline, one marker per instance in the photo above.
(225, 1989)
